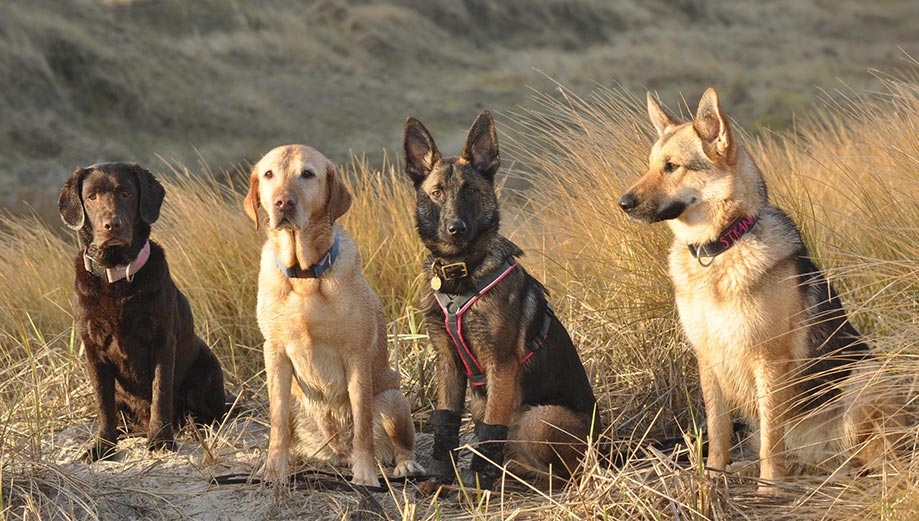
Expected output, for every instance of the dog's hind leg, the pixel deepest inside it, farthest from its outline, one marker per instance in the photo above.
(394, 433)
(202, 394)
(873, 424)
(548, 441)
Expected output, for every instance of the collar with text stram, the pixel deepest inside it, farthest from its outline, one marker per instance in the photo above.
(728, 237)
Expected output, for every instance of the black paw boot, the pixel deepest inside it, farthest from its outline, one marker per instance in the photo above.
(446, 426)
(486, 465)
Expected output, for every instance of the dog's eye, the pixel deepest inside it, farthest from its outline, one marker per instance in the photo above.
(268, 174)
(125, 193)
(307, 173)
(471, 189)
(437, 193)
(670, 168)
(92, 196)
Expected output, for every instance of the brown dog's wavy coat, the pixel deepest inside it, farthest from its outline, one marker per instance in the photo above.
(771, 337)
(537, 397)
(147, 367)
(325, 337)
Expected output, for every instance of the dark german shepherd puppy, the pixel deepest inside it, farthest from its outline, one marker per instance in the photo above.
(492, 324)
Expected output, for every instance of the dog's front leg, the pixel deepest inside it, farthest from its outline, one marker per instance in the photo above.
(278, 372)
(451, 393)
(718, 422)
(159, 429)
(771, 407)
(102, 377)
(360, 393)
(502, 388)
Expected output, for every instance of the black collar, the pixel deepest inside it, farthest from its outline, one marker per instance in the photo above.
(725, 240)
(316, 270)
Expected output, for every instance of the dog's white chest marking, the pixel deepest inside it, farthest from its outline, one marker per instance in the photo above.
(736, 319)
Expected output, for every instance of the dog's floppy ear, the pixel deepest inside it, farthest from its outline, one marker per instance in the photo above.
(70, 202)
(481, 148)
(151, 194)
(661, 119)
(251, 202)
(421, 152)
(339, 196)
(712, 128)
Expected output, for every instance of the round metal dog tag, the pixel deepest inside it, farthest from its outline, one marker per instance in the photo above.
(436, 283)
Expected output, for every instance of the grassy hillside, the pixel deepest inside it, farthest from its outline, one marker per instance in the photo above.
(847, 176)
(89, 80)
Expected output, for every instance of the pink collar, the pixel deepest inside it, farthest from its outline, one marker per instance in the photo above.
(125, 271)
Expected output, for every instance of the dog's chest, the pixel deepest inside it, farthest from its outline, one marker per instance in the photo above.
(124, 337)
(736, 325)
(319, 371)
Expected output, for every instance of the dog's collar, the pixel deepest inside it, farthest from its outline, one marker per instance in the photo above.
(316, 270)
(124, 271)
(442, 271)
(725, 240)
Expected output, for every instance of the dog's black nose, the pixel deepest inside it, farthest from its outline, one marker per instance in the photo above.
(628, 202)
(284, 202)
(457, 227)
(112, 223)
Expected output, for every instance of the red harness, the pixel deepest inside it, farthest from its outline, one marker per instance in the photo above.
(454, 306)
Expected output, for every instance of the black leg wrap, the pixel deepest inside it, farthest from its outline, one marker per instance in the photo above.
(489, 449)
(446, 426)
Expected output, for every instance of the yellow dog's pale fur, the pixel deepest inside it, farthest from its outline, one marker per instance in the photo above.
(325, 338)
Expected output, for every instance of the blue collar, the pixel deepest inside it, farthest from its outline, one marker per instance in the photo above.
(316, 270)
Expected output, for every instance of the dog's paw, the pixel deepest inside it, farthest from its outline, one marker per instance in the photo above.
(157, 444)
(365, 473)
(429, 488)
(768, 488)
(276, 468)
(99, 450)
(406, 468)
(743, 469)
(441, 471)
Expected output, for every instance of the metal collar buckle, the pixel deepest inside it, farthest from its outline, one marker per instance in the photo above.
(457, 270)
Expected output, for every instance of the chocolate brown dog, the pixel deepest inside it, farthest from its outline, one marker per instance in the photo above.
(143, 357)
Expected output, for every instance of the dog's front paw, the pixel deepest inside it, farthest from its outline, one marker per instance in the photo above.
(276, 467)
(99, 450)
(162, 444)
(407, 468)
(743, 469)
(365, 473)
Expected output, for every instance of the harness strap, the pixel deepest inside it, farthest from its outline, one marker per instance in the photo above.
(454, 306)
(539, 341)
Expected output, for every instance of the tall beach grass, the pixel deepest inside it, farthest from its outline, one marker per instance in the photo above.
(848, 175)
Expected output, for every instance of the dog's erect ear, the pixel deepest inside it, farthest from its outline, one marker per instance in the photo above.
(481, 148)
(151, 194)
(712, 128)
(339, 196)
(421, 152)
(70, 202)
(251, 202)
(661, 119)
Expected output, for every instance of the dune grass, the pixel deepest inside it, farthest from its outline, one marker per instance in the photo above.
(847, 176)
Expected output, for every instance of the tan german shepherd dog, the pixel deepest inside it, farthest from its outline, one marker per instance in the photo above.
(772, 339)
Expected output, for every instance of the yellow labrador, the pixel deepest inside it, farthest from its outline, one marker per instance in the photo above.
(325, 335)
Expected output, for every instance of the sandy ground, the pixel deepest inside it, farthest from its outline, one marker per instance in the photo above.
(138, 484)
